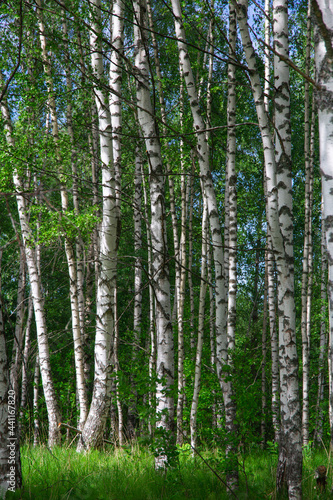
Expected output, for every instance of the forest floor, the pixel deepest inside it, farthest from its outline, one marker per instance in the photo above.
(128, 474)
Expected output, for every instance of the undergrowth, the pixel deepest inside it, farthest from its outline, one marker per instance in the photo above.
(128, 474)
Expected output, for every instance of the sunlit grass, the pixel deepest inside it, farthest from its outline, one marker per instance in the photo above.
(129, 474)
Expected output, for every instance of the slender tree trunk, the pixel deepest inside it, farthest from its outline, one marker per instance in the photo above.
(99, 409)
(190, 253)
(323, 12)
(264, 359)
(201, 322)
(323, 340)
(279, 201)
(78, 353)
(290, 437)
(161, 283)
(152, 338)
(36, 291)
(25, 361)
(269, 255)
(35, 405)
(209, 194)
(307, 252)
(178, 243)
(273, 339)
(229, 401)
(116, 371)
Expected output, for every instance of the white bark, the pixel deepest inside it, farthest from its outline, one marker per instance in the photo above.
(117, 41)
(94, 426)
(201, 321)
(231, 185)
(78, 352)
(35, 404)
(279, 202)
(264, 359)
(24, 384)
(36, 291)
(161, 284)
(323, 11)
(152, 337)
(307, 251)
(323, 341)
(209, 193)
(116, 371)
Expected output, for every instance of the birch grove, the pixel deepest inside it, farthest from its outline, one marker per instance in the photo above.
(166, 229)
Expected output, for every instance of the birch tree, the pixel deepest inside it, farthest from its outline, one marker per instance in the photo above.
(160, 276)
(69, 250)
(94, 425)
(36, 291)
(323, 12)
(209, 193)
(307, 251)
(279, 201)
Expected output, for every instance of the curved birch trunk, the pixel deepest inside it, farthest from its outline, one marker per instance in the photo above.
(279, 202)
(160, 277)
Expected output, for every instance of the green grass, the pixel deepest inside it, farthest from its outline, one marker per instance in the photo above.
(129, 474)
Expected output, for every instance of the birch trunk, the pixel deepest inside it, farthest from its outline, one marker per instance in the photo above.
(201, 322)
(178, 243)
(161, 284)
(190, 254)
(290, 435)
(307, 251)
(24, 383)
(78, 353)
(318, 437)
(94, 426)
(152, 339)
(279, 201)
(36, 292)
(132, 415)
(323, 12)
(209, 194)
(229, 402)
(264, 359)
(116, 371)
(269, 255)
(35, 401)
(77, 290)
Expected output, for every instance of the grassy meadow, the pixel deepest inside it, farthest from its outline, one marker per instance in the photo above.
(128, 474)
